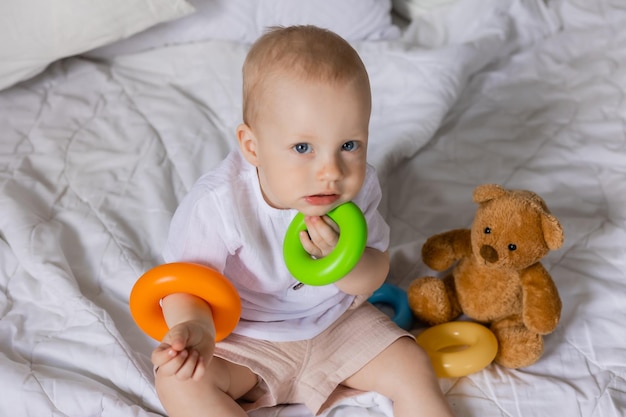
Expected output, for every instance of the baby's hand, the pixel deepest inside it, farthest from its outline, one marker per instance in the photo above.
(185, 351)
(321, 235)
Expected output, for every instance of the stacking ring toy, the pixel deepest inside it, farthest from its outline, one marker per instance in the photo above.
(396, 298)
(340, 261)
(458, 348)
(181, 277)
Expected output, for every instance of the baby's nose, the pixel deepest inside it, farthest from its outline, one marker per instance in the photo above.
(330, 170)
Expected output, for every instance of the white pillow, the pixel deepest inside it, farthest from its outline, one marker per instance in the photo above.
(245, 20)
(34, 33)
(412, 9)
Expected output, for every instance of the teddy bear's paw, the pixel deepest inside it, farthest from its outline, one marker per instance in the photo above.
(541, 325)
(437, 253)
(518, 347)
(430, 302)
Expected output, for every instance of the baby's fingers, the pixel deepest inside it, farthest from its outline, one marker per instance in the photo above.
(322, 235)
(331, 223)
(162, 354)
(192, 368)
(323, 231)
(169, 361)
(177, 337)
(309, 246)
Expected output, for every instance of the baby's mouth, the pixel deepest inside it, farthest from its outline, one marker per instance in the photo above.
(322, 199)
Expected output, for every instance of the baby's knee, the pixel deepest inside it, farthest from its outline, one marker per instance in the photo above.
(408, 364)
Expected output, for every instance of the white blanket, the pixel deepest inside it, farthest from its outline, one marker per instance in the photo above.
(95, 156)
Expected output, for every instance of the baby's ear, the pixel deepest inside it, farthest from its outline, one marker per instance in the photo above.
(247, 143)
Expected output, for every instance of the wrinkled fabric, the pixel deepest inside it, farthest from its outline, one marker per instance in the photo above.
(95, 157)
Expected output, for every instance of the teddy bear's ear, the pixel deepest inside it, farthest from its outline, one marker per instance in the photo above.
(552, 231)
(487, 192)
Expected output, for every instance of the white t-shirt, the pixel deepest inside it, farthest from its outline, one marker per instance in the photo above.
(225, 223)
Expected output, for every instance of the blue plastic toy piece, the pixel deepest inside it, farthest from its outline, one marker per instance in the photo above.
(394, 297)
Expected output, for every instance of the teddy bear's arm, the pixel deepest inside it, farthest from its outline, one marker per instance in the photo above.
(541, 301)
(441, 251)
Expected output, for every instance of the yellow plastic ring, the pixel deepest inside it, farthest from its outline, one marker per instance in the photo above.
(458, 348)
(182, 277)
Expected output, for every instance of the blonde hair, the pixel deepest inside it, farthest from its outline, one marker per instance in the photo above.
(306, 52)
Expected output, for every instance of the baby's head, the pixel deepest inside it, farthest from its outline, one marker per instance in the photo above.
(305, 52)
(306, 110)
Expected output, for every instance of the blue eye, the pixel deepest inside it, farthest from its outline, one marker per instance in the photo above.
(350, 146)
(302, 147)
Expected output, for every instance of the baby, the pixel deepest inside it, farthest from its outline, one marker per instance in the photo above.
(302, 148)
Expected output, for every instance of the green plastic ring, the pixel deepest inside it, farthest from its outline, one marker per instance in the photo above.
(337, 264)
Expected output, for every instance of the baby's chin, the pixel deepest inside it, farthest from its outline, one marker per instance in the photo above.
(319, 211)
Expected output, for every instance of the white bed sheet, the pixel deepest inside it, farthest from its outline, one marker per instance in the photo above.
(94, 158)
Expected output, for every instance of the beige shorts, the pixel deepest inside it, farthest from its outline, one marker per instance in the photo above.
(309, 371)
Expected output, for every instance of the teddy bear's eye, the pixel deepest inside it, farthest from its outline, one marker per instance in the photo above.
(512, 246)
(487, 230)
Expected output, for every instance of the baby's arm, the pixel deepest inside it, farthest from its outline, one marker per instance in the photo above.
(188, 346)
(368, 274)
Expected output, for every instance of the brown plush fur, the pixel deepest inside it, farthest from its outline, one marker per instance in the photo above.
(492, 281)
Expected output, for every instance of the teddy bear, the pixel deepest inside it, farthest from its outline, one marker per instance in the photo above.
(495, 275)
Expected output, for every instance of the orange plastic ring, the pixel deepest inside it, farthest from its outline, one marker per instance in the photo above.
(182, 277)
(458, 348)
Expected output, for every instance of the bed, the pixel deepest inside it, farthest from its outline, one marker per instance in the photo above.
(101, 137)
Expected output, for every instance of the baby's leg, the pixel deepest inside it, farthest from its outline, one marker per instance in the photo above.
(403, 373)
(212, 395)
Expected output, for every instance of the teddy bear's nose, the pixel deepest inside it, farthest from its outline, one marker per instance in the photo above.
(488, 253)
